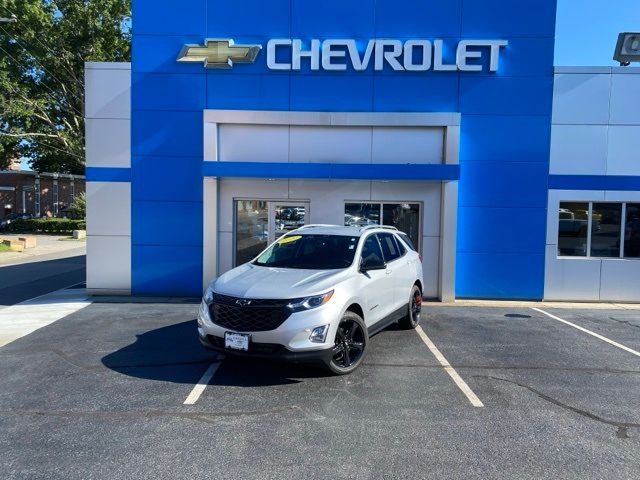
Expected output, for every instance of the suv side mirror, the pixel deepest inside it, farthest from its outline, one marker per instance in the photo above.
(372, 263)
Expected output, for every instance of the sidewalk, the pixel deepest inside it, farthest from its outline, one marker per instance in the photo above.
(47, 244)
(24, 318)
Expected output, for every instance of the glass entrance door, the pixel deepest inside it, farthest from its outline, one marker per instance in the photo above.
(286, 217)
(258, 223)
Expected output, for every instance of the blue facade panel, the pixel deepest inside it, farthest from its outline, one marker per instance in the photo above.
(507, 276)
(505, 127)
(166, 179)
(505, 138)
(166, 270)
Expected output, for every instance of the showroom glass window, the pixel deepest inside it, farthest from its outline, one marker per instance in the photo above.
(632, 231)
(573, 229)
(606, 224)
(252, 229)
(404, 216)
(599, 229)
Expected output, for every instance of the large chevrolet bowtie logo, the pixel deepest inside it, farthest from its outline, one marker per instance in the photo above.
(219, 53)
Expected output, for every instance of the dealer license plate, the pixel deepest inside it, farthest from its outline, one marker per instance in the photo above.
(236, 341)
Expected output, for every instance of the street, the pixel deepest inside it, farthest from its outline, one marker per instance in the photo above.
(41, 274)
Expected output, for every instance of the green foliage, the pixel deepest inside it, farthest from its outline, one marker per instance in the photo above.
(42, 59)
(46, 225)
(79, 206)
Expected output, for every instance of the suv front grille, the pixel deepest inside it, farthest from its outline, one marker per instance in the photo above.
(258, 315)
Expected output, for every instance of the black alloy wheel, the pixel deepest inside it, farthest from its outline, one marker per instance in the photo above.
(412, 319)
(350, 344)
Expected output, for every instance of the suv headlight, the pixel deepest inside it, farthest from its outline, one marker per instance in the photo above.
(208, 295)
(307, 303)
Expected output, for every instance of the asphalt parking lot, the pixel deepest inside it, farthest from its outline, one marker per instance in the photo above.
(101, 394)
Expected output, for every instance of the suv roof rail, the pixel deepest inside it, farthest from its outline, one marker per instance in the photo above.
(317, 225)
(383, 227)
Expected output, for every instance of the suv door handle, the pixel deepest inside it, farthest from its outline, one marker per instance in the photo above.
(387, 271)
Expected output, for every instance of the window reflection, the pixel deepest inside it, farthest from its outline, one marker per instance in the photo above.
(288, 218)
(252, 229)
(404, 216)
(573, 228)
(361, 214)
(605, 229)
(632, 231)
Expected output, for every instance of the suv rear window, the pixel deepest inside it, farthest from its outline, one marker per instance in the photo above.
(389, 247)
(407, 240)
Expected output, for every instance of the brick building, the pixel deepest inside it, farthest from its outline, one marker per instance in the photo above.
(38, 194)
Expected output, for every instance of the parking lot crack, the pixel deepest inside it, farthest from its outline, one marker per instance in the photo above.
(621, 427)
(625, 322)
(205, 417)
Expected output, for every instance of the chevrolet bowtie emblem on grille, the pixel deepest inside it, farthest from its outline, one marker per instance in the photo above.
(243, 303)
(219, 53)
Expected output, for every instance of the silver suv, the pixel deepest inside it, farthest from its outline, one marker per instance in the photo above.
(315, 295)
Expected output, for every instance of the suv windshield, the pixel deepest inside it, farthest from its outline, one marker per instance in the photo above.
(313, 252)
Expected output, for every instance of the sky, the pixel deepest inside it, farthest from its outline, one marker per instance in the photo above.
(587, 30)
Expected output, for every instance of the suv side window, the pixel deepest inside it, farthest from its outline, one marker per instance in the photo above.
(389, 247)
(371, 249)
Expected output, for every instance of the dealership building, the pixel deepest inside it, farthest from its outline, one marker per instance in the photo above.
(237, 121)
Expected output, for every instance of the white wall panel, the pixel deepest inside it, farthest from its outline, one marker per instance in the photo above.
(581, 99)
(109, 263)
(330, 144)
(408, 145)
(579, 149)
(625, 99)
(108, 90)
(430, 266)
(108, 142)
(620, 280)
(622, 196)
(624, 150)
(253, 143)
(249, 188)
(571, 279)
(225, 252)
(108, 208)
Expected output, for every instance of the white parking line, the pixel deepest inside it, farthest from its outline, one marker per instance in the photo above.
(202, 384)
(462, 385)
(582, 329)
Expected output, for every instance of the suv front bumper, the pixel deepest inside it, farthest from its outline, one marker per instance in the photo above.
(290, 341)
(269, 350)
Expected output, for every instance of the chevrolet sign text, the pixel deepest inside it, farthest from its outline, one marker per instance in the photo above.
(410, 55)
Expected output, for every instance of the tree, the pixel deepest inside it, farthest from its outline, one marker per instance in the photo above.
(79, 206)
(42, 59)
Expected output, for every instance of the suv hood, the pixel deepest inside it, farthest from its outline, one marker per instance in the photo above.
(253, 281)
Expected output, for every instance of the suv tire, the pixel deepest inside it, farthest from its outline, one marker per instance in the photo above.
(350, 344)
(414, 307)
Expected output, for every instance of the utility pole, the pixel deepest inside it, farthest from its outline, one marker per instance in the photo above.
(11, 19)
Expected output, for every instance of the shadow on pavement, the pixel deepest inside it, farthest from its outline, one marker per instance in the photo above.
(34, 278)
(174, 354)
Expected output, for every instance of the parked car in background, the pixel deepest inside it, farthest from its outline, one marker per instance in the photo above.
(6, 221)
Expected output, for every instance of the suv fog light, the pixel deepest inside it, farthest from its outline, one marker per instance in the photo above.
(318, 335)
